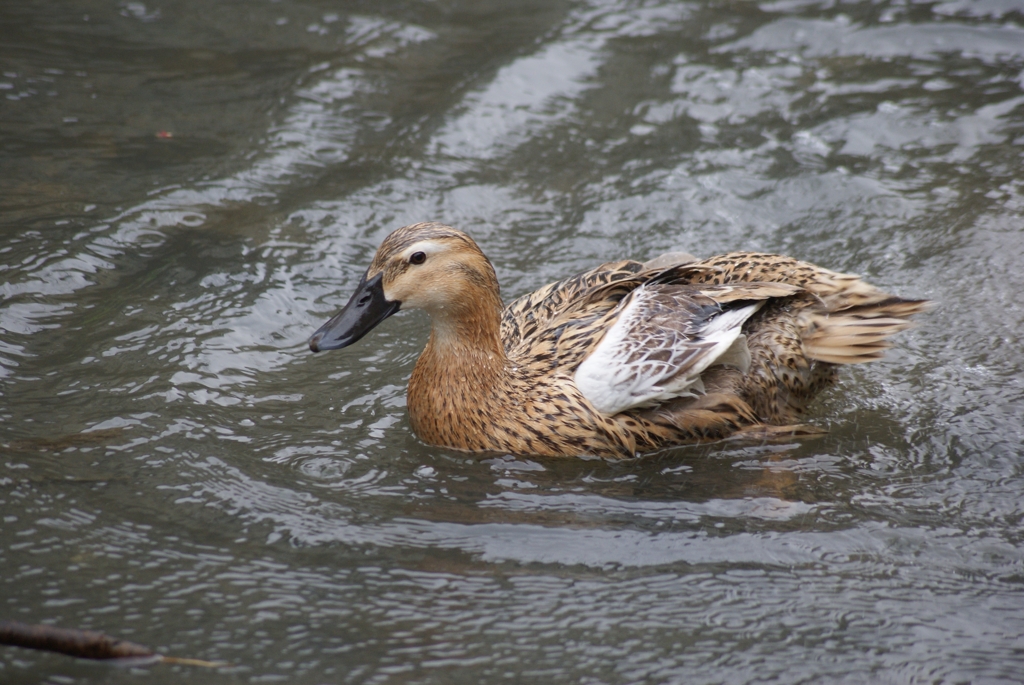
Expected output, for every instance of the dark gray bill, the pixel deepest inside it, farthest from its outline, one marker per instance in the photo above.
(367, 308)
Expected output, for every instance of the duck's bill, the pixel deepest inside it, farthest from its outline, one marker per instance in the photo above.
(367, 308)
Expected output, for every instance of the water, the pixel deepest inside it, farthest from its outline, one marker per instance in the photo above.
(188, 190)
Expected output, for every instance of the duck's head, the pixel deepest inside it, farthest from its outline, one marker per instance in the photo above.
(422, 266)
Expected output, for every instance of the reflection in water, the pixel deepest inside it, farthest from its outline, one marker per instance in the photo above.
(176, 470)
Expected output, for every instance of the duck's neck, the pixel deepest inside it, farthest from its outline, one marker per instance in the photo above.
(471, 324)
(461, 367)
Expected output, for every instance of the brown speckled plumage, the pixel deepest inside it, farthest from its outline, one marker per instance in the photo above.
(493, 379)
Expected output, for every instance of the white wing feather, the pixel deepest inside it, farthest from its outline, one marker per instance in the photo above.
(639, 362)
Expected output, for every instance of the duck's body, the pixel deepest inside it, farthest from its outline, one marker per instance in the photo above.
(620, 360)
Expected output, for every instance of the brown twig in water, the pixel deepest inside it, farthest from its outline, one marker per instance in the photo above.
(85, 644)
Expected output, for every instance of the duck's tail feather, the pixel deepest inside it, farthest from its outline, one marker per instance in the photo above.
(857, 334)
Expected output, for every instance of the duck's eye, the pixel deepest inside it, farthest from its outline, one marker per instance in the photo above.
(418, 257)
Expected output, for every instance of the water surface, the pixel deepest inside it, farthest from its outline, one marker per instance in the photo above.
(187, 190)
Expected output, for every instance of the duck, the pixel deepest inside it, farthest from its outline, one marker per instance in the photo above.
(621, 360)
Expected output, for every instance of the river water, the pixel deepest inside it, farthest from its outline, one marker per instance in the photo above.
(189, 189)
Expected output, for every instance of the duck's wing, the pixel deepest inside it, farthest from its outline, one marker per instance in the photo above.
(525, 316)
(662, 337)
(596, 290)
(557, 326)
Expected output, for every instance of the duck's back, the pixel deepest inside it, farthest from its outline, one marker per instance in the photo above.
(525, 316)
(795, 337)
